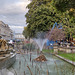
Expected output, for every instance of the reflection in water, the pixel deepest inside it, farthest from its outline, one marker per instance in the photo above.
(54, 66)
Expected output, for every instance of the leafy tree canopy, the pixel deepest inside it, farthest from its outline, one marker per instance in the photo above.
(42, 14)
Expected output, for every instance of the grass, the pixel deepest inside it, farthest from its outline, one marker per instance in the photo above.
(70, 56)
(47, 51)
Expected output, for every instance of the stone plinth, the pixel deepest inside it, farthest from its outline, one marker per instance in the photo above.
(68, 50)
(41, 58)
(55, 47)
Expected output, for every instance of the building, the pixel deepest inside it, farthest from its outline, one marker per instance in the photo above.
(19, 36)
(5, 31)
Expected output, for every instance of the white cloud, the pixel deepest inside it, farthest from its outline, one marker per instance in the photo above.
(12, 12)
(20, 27)
(14, 8)
(17, 29)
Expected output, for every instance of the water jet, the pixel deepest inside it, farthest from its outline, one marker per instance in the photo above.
(40, 40)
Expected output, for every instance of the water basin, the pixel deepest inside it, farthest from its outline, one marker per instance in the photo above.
(54, 66)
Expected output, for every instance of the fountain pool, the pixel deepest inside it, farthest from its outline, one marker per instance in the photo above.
(54, 66)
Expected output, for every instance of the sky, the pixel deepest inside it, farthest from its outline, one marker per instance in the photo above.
(12, 12)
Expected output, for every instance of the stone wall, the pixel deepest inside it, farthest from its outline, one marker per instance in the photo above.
(7, 62)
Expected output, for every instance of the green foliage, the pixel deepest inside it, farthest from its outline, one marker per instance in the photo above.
(42, 18)
(63, 5)
(26, 32)
(73, 36)
(35, 3)
(36, 20)
(47, 51)
(42, 14)
(69, 26)
(29, 46)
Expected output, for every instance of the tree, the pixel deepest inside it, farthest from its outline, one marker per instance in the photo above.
(56, 34)
(42, 14)
(69, 28)
(32, 18)
(63, 5)
(25, 32)
(67, 7)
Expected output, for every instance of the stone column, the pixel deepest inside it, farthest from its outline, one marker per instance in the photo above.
(55, 47)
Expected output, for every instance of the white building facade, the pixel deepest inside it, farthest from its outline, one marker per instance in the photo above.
(19, 36)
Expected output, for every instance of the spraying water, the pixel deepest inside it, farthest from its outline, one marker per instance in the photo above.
(40, 40)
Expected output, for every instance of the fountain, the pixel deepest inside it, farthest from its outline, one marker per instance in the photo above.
(53, 35)
(40, 40)
(54, 66)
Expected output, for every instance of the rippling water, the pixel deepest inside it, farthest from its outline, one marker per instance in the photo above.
(54, 66)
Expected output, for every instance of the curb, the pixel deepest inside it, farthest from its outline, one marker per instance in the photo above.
(69, 61)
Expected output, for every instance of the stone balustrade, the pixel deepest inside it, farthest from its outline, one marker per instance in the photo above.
(64, 49)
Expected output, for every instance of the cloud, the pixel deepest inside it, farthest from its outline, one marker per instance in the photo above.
(12, 12)
(14, 19)
(14, 8)
(16, 27)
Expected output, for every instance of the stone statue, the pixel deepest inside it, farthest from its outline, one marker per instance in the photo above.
(3, 45)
